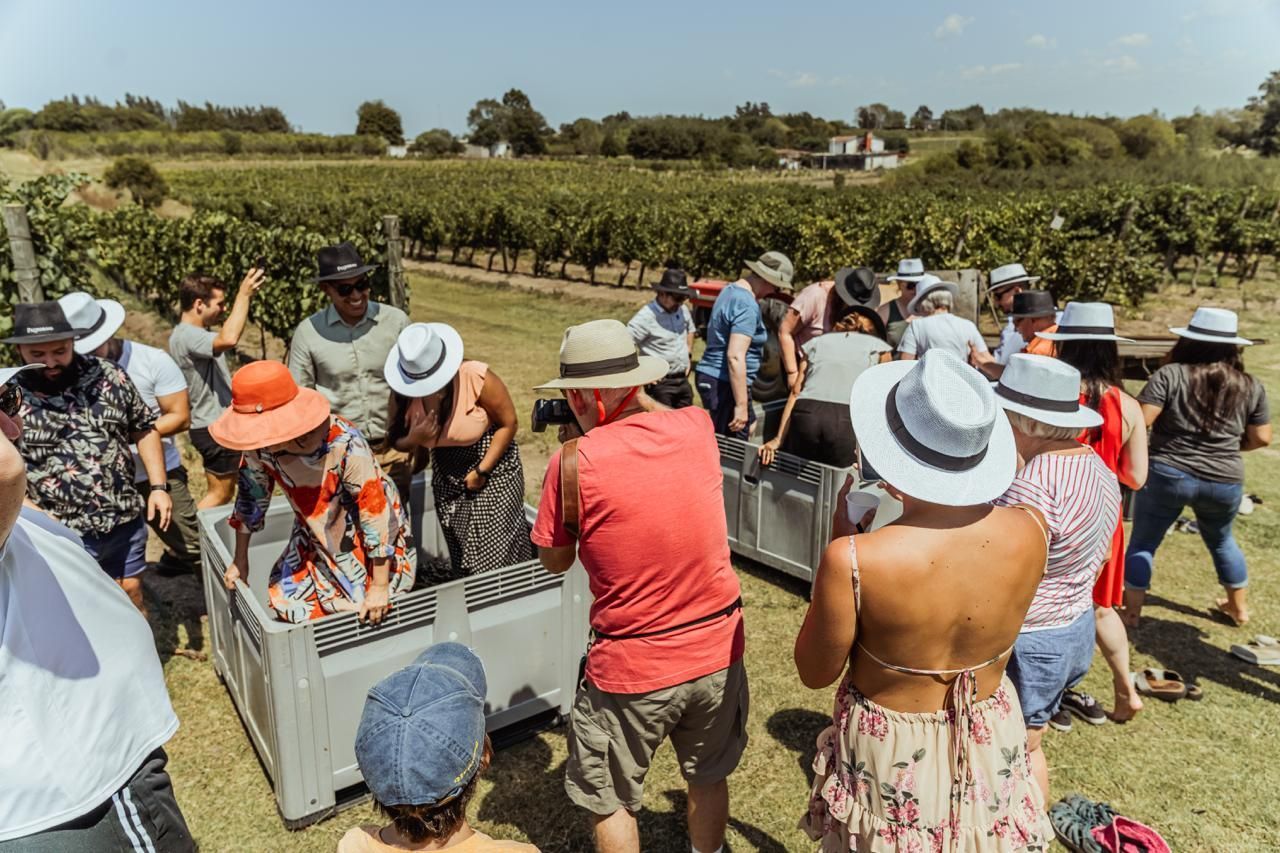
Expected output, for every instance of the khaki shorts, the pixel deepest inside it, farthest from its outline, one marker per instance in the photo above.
(613, 736)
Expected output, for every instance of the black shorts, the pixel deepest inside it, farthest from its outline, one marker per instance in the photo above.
(217, 459)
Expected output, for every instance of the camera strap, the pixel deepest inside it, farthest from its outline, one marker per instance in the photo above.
(569, 498)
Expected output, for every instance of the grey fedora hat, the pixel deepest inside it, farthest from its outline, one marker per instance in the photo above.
(857, 286)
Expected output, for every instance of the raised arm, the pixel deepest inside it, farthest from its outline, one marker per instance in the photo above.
(233, 327)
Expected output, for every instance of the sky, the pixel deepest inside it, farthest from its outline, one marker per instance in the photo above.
(433, 60)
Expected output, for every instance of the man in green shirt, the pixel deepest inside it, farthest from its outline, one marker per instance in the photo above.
(341, 351)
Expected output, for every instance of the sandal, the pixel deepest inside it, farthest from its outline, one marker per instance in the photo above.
(1148, 683)
(1194, 692)
(1263, 651)
(1074, 818)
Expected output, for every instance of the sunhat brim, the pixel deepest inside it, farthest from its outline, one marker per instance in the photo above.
(921, 296)
(1025, 279)
(849, 299)
(7, 373)
(363, 269)
(982, 483)
(674, 291)
(1073, 336)
(43, 337)
(1035, 315)
(402, 383)
(256, 430)
(896, 277)
(1082, 418)
(112, 319)
(650, 369)
(1184, 332)
(769, 275)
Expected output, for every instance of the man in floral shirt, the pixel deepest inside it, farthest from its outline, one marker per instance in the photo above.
(79, 415)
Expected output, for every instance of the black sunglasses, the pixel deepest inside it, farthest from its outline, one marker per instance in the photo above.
(345, 290)
(11, 399)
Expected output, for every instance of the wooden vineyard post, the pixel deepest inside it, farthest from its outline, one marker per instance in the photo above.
(395, 268)
(25, 271)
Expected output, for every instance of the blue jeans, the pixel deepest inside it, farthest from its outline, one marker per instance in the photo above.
(1158, 506)
(717, 399)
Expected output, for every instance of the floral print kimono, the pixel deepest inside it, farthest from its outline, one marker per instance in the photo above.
(346, 514)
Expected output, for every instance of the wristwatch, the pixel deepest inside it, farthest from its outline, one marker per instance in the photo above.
(159, 487)
(483, 474)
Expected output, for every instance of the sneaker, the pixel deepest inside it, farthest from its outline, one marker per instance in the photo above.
(1083, 706)
(1061, 721)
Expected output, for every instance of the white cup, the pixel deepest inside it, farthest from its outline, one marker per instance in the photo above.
(858, 504)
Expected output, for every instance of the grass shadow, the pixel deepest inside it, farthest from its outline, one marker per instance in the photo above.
(528, 793)
(797, 729)
(1176, 607)
(1184, 648)
(174, 603)
(668, 830)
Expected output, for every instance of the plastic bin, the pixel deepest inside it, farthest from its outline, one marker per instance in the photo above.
(780, 515)
(300, 689)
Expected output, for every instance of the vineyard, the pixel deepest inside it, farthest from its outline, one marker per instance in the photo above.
(618, 225)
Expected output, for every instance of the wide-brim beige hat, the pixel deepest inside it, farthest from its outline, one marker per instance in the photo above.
(602, 354)
(775, 268)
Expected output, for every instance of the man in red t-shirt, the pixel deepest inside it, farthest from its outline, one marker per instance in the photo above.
(666, 655)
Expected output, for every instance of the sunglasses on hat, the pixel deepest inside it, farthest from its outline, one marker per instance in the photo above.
(345, 290)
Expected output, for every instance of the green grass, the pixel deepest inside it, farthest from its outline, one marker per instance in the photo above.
(1204, 773)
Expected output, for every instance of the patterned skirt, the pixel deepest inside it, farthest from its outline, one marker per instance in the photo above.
(484, 530)
(926, 782)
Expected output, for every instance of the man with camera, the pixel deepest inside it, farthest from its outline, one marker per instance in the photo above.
(666, 648)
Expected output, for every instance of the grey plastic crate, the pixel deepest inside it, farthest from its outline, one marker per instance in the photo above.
(300, 688)
(780, 515)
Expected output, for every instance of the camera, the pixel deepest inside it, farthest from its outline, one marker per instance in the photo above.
(550, 412)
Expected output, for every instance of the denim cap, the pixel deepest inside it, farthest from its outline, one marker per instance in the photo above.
(421, 736)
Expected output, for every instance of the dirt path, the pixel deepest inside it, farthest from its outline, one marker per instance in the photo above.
(602, 293)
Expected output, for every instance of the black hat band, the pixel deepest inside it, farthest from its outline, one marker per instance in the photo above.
(1211, 332)
(1048, 405)
(430, 370)
(603, 367)
(925, 454)
(1086, 330)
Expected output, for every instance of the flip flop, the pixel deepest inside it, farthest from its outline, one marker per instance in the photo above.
(1167, 690)
(1074, 817)
(1263, 651)
(1194, 693)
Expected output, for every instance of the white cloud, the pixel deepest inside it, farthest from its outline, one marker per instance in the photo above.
(1041, 41)
(975, 71)
(952, 25)
(796, 79)
(1133, 40)
(1121, 63)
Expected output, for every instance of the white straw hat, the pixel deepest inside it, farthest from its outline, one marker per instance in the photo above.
(1044, 389)
(602, 354)
(931, 428)
(1086, 321)
(928, 283)
(96, 320)
(1215, 325)
(425, 358)
(1007, 275)
(909, 269)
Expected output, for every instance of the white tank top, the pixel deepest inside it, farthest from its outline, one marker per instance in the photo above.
(82, 694)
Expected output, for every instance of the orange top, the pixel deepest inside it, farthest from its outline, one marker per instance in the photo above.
(1039, 346)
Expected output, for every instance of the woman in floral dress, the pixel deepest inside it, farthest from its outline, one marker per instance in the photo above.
(931, 756)
(350, 549)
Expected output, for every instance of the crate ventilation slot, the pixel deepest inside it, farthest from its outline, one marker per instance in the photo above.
(410, 612)
(510, 582)
(246, 615)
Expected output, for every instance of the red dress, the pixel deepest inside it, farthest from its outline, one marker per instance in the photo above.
(1108, 442)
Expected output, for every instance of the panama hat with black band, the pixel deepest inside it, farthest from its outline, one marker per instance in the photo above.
(674, 282)
(1086, 321)
(909, 270)
(775, 268)
(1046, 390)
(97, 320)
(932, 429)
(601, 354)
(425, 358)
(39, 323)
(1213, 325)
(1007, 275)
(857, 286)
(340, 262)
(928, 284)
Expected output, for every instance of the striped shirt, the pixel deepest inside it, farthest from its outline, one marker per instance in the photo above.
(1080, 499)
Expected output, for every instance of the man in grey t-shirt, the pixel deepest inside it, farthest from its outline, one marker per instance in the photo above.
(200, 354)
(664, 328)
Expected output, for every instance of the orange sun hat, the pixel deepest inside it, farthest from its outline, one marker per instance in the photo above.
(267, 408)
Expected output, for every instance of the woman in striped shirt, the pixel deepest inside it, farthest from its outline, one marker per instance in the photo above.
(1079, 499)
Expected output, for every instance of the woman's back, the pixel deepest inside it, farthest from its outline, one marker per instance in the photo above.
(943, 598)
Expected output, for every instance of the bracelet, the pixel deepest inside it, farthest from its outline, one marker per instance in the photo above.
(483, 474)
(159, 487)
